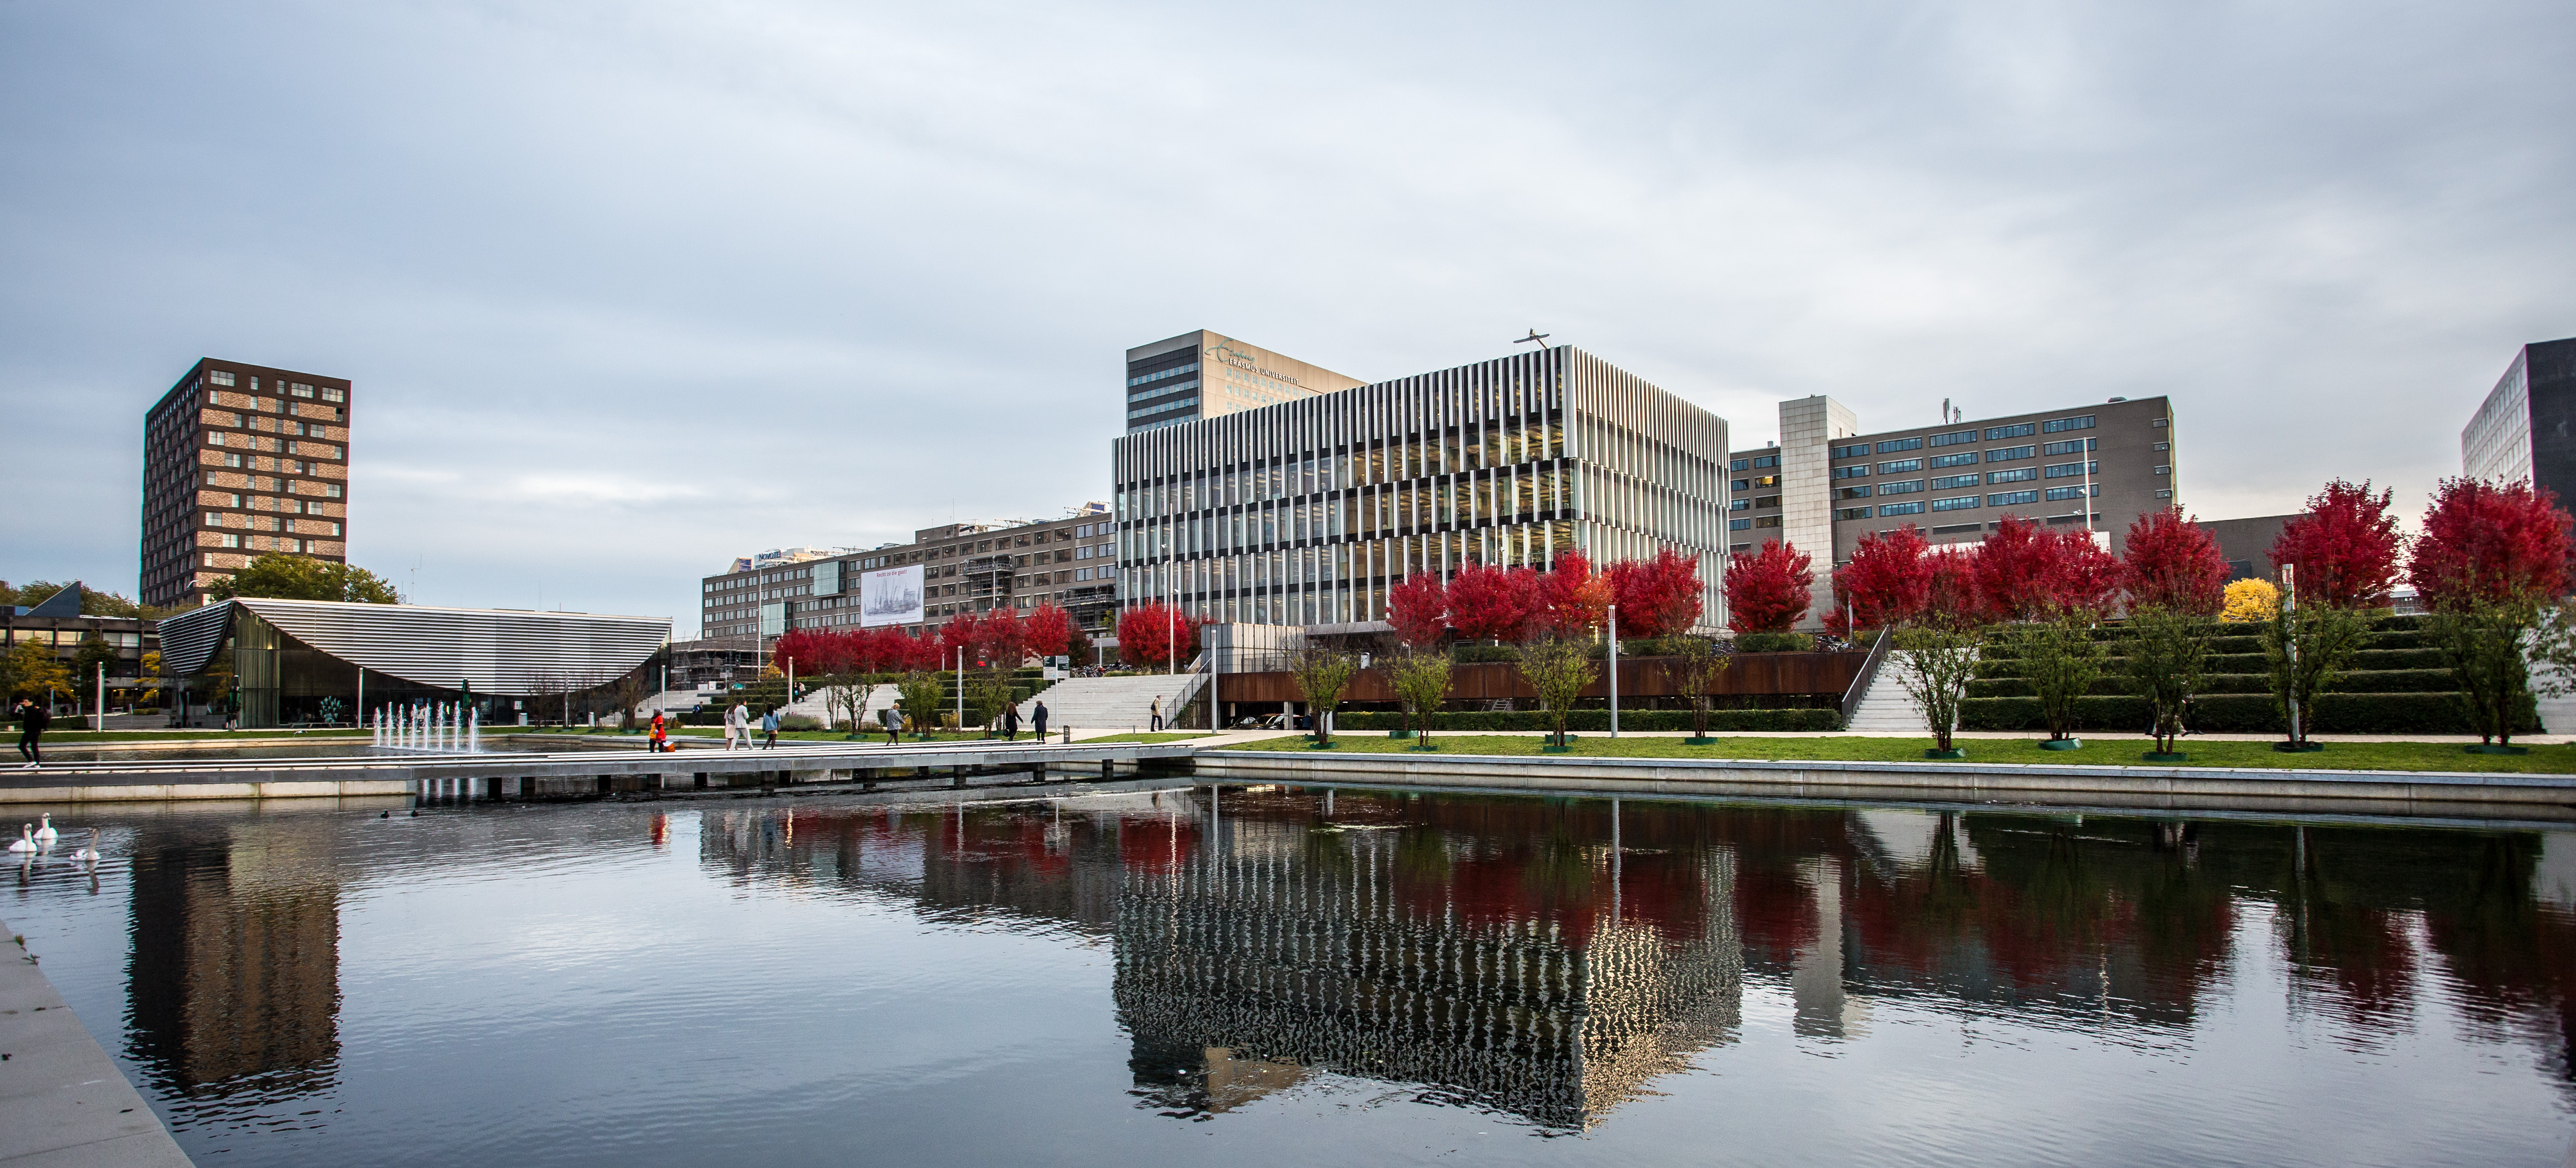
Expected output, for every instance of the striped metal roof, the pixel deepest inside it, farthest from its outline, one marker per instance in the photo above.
(503, 652)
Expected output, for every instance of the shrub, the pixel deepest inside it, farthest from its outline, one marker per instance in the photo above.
(1597, 721)
(1774, 643)
(2334, 713)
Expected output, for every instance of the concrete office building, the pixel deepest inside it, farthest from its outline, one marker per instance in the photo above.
(2526, 428)
(1305, 511)
(1827, 484)
(1199, 375)
(239, 461)
(966, 567)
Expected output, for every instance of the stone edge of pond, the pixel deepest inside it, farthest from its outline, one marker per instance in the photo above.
(67, 1102)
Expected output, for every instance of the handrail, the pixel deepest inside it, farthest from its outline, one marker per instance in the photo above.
(1868, 672)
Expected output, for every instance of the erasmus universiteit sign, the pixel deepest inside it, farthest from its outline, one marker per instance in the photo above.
(890, 597)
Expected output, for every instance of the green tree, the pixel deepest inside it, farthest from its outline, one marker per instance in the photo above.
(1934, 666)
(2483, 641)
(1421, 684)
(1693, 668)
(1558, 669)
(2168, 651)
(93, 654)
(922, 692)
(1322, 675)
(282, 576)
(2061, 661)
(2308, 647)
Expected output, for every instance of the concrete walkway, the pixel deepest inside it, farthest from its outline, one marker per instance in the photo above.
(63, 1103)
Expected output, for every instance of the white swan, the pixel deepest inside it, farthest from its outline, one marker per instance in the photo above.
(88, 853)
(46, 835)
(26, 841)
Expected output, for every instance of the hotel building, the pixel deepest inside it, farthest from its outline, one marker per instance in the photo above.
(1199, 375)
(238, 461)
(1303, 512)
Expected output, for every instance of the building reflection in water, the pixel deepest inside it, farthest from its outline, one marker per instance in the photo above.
(1552, 957)
(234, 984)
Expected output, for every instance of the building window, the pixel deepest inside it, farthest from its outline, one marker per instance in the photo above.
(332, 395)
(1907, 487)
(1738, 504)
(300, 389)
(1852, 472)
(1738, 524)
(1766, 460)
(1767, 481)
(2164, 470)
(1915, 508)
(1741, 484)
(2012, 498)
(2061, 494)
(1766, 521)
(1908, 466)
(2009, 453)
(1960, 503)
(1740, 464)
(2021, 474)
(2071, 469)
(2164, 494)
(2070, 446)
(2062, 425)
(1852, 493)
(1941, 460)
(1852, 513)
(2023, 430)
(1859, 451)
(1893, 445)
(1954, 439)
(1951, 482)
(331, 490)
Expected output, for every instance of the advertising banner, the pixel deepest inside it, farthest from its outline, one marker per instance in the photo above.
(890, 597)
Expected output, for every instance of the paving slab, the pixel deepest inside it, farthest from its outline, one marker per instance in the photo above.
(62, 1100)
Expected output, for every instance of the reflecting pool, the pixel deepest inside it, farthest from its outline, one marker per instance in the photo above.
(1301, 976)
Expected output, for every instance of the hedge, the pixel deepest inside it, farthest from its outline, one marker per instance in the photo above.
(1597, 721)
(2113, 683)
(2336, 713)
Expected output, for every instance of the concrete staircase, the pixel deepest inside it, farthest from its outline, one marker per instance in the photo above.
(1111, 704)
(1885, 707)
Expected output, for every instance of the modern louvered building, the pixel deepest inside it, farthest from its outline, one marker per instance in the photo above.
(290, 657)
(1304, 512)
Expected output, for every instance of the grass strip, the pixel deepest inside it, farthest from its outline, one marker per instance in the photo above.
(2097, 751)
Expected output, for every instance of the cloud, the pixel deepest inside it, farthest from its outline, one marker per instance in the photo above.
(628, 290)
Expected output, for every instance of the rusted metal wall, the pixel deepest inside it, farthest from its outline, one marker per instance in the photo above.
(1644, 677)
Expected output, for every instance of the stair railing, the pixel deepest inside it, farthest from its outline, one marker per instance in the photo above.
(1868, 672)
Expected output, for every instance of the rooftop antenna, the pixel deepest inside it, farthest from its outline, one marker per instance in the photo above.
(1945, 409)
(1956, 415)
(1535, 335)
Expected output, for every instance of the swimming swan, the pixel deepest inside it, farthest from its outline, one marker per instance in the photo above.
(88, 853)
(46, 835)
(26, 841)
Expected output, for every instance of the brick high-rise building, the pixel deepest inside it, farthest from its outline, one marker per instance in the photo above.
(239, 461)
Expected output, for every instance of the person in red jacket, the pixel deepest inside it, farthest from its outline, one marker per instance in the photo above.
(661, 735)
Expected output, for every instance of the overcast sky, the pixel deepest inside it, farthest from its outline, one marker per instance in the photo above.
(629, 289)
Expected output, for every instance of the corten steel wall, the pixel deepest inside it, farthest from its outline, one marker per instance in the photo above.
(1643, 677)
(1303, 513)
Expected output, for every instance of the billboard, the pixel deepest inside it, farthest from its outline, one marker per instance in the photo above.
(890, 597)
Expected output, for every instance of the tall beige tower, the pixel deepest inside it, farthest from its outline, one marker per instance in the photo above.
(1809, 426)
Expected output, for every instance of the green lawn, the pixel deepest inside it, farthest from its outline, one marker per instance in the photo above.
(2366, 756)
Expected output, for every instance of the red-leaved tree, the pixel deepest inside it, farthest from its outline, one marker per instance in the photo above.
(1889, 578)
(1496, 603)
(1950, 597)
(1575, 598)
(1050, 631)
(2344, 547)
(2171, 562)
(806, 648)
(2489, 541)
(1418, 607)
(958, 633)
(1767, 591)
(1658, 597)
(1001, 639)
(2087, 576)
(2017, 568)
(1147, 632)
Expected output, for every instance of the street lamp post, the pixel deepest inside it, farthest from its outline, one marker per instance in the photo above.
(1614, 671)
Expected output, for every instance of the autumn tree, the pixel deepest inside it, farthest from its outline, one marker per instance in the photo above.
(2088, 576)
(31, 670)
(1489, 603)
(1155, 634)
(283, 576)
(2017, 569)
(2172, 563)
(2249, 600)
(1889, 578)
(2489, 541)
(1767, 591)
(1951, 599)
(1660, 596)
(2344, 547)
(1418, 607)
(1574, 599)
(1049, 631)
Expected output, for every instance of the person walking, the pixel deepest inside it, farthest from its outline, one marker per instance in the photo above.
(1158, 715)
(32, 720)
(769, 727)
(737, 726)
(892, 717)
(1010, 723)
(661, 733)
(1037, 719)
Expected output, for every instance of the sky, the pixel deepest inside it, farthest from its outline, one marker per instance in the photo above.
(627, 290)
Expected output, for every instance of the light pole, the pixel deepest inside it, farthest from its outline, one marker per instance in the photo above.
(1614, 671)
